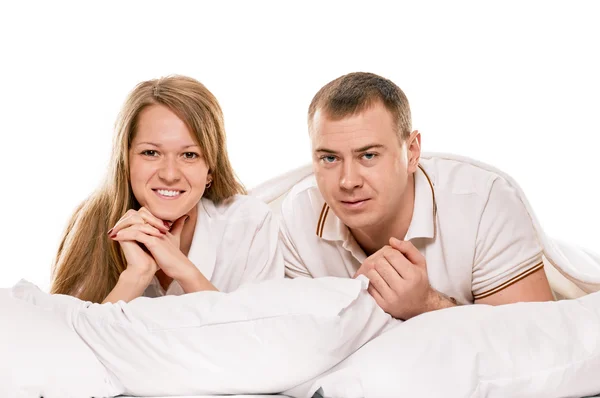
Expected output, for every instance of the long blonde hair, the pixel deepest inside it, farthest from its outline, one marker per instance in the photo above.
(88, 263)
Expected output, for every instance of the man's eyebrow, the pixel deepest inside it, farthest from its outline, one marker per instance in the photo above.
(368, 147)
(325, 150)
(358, 150)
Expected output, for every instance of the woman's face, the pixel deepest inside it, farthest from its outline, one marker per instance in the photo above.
(167, 170)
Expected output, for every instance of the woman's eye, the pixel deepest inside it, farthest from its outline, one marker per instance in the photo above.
(190, 155)
(149, 152)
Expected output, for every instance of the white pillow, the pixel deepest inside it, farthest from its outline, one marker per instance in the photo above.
(41, 356)
(548, 350)
(263, 338)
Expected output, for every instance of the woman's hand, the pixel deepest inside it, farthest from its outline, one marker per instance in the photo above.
(138, 261)
(165, 250)
(162, 244)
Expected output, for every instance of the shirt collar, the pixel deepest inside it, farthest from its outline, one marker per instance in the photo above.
(203, 251)
(422, 225)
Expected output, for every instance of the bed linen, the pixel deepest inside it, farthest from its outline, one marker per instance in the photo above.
(549, 350)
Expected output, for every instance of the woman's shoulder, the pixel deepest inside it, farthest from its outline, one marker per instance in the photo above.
(237, 208)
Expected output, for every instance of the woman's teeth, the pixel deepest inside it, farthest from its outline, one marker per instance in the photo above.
(164, 192)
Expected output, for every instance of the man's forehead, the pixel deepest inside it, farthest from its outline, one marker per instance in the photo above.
(351, 131)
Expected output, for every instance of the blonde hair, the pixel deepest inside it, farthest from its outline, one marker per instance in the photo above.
(88, 263)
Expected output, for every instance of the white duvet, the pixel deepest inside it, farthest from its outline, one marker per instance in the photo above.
(303, 337)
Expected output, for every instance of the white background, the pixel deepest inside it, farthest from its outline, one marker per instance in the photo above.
(514, 84)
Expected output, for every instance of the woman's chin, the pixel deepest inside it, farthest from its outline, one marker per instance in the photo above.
(166, 214)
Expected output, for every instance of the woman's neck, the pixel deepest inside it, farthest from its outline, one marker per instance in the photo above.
(187, 235)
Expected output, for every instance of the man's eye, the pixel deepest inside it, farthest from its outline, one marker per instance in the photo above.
(369, 155)
(328, 159)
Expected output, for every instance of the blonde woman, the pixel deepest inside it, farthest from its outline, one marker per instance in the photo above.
(170, 217)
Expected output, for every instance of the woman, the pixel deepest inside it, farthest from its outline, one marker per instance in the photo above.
(170, 218)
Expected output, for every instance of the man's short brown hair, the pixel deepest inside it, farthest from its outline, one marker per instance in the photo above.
(355, 92)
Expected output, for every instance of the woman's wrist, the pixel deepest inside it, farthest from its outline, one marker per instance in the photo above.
(192, 280)
(136, 279)
(131, 284)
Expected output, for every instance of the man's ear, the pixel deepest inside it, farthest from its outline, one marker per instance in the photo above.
(413, 144)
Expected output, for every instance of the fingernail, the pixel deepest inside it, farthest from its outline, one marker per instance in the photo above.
(113, 235)
(166, 224)
(110, 231)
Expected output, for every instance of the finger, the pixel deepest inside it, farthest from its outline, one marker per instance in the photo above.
(378, 299)
(380, 285)
(130, 218)
(153, 220)
(130, 246)
(409, 250)
(147, 229)
(399, 262)
(389, 274)
(146, 240)
(358, 272)
(365, 267)
(177, 226)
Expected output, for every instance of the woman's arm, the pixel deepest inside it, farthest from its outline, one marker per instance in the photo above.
(166, 254)
(192, 280)
(131, 284)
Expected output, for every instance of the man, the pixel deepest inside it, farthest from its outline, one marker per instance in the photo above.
(428, 233)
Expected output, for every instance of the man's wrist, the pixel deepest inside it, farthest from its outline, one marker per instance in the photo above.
(440, 301)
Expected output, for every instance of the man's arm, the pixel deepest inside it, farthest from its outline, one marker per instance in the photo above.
(534, 287)
(508, 266)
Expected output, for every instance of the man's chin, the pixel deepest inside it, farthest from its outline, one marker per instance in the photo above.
(362, 221)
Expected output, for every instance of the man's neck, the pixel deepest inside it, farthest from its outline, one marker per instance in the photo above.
(376, 236)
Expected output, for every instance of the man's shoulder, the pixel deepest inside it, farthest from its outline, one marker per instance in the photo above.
(303, 202)
(458, 175)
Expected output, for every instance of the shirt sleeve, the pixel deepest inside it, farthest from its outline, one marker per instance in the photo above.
(294, 266)
(264, 259)
(507, 247)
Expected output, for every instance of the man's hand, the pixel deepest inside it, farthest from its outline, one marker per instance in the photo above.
(399, 282)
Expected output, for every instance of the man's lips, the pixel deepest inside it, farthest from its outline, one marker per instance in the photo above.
(354, 203)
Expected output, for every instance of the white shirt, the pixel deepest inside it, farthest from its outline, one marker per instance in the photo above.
(235, 243)
(469, 223)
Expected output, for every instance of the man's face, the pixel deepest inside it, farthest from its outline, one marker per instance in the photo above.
(361, 168)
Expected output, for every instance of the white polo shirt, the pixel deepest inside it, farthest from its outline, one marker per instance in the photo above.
(468, 222)
(234, 243)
